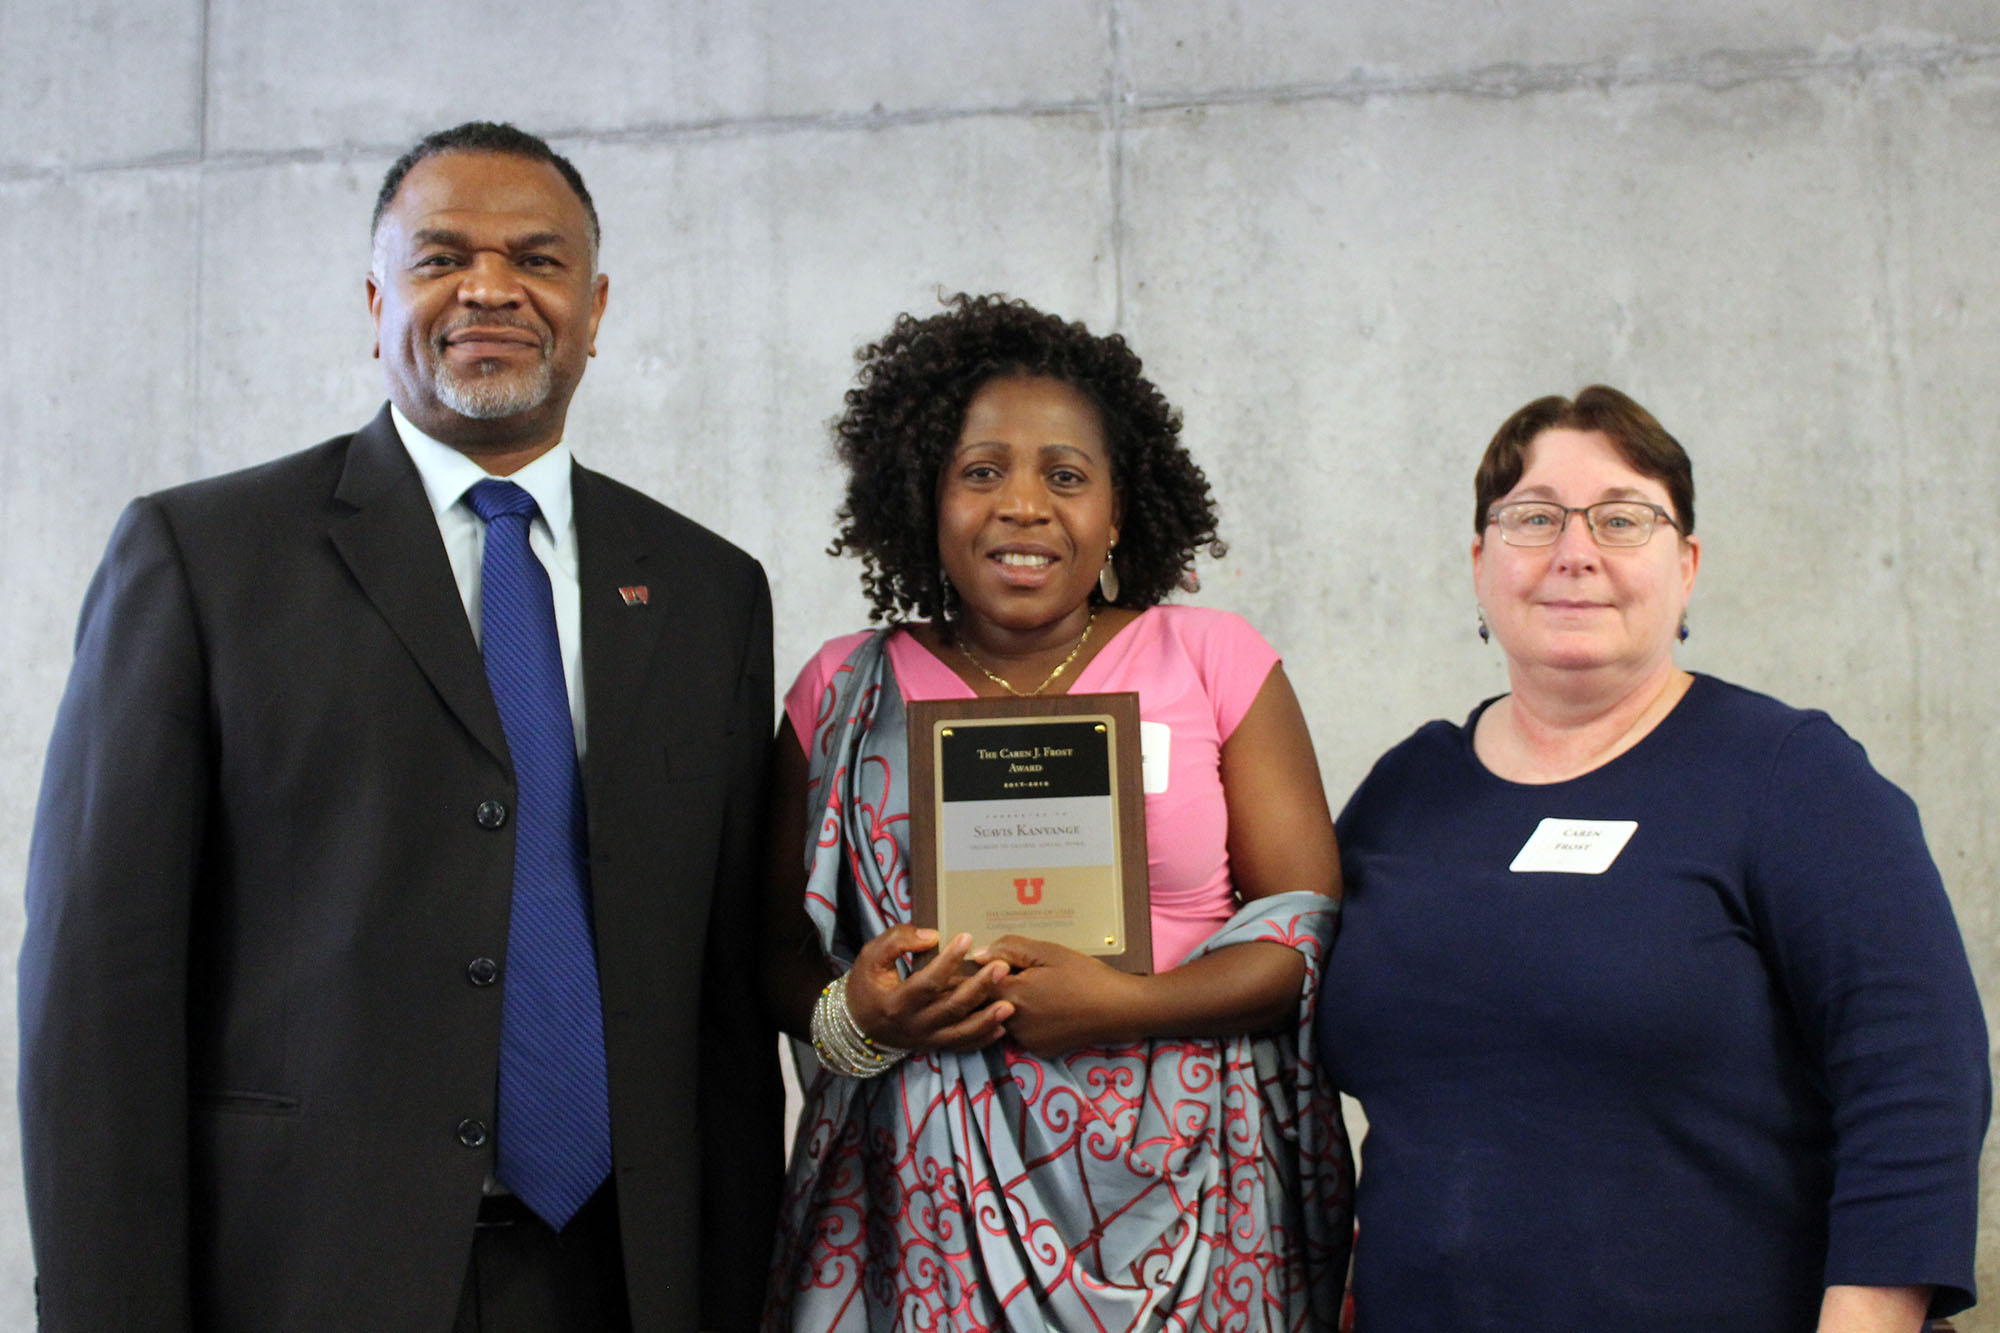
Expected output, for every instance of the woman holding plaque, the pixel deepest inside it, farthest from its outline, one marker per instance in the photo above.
(1011, 1133)
(1647, 983)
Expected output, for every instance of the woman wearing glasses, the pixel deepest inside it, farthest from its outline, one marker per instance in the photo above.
(1647, 983)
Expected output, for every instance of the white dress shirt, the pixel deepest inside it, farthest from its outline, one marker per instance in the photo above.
(447, 475)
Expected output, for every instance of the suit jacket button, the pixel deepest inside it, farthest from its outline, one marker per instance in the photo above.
(472, 1133)
(490, 814)
(482, 972)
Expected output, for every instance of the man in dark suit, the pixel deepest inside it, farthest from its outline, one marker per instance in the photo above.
(390, 907)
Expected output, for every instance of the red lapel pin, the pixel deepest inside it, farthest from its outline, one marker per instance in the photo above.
(634, 595)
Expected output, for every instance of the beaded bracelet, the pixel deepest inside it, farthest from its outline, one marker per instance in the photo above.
(839, 1041)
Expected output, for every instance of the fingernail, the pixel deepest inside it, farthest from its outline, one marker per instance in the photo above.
(961, 942)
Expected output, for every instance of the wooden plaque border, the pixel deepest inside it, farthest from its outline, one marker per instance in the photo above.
(1128, 796)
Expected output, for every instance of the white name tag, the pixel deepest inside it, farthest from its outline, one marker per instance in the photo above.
(1156, 752)
(1574, 846)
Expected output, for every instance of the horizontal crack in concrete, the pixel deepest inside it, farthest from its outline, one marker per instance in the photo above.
(1715, 70)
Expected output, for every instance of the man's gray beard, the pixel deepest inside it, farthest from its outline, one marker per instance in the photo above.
(490, 396)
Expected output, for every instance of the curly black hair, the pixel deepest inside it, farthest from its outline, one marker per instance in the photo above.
(903, 420)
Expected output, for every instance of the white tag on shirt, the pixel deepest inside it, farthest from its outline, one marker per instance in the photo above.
(1574, 846)
(1156, 751)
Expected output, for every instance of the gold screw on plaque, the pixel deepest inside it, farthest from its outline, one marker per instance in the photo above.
(946, 731)
(1110, 940)
(1100, 728)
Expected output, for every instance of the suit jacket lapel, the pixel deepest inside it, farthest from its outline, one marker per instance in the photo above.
(390, 543)
(620, 638)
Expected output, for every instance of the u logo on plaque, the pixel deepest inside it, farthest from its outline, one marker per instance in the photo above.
(1028, 817)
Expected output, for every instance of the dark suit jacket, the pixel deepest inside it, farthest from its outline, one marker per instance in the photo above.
(253, 1050)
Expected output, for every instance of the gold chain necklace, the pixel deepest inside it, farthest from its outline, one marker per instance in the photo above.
(1048, 680)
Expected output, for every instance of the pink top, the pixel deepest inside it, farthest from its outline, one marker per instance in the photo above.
(1196, 671)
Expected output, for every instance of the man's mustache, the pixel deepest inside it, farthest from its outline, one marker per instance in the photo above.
(442, 338)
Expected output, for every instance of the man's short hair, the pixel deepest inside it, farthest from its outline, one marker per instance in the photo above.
(485, 136)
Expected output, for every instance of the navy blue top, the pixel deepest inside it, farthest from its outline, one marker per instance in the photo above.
(1743, 1063)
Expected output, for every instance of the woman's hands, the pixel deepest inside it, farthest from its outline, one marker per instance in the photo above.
(1052, 1000)
(947, 1004)
(1062, 999)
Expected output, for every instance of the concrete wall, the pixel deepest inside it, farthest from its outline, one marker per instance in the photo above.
(1348, 238)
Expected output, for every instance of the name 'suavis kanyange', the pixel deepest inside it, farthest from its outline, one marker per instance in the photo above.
(1027, 830)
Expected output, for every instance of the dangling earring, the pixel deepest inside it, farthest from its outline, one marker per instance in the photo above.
(1683, 631)
(947, 595)
(1107, 577)
(1485, 634)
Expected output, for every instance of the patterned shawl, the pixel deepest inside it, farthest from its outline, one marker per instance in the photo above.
(1170, 1184)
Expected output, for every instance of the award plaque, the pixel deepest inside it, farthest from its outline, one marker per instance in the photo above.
(1028, 817)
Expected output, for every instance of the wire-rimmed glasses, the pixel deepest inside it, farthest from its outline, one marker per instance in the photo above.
(1611, 522)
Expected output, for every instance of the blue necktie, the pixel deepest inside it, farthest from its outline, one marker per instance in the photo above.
(555, 1104)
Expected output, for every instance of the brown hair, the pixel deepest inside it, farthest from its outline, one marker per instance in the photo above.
(1639, 439)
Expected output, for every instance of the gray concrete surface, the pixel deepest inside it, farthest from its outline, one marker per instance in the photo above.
(1348, 238)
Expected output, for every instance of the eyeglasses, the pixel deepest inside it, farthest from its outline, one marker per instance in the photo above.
(1611, 522)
